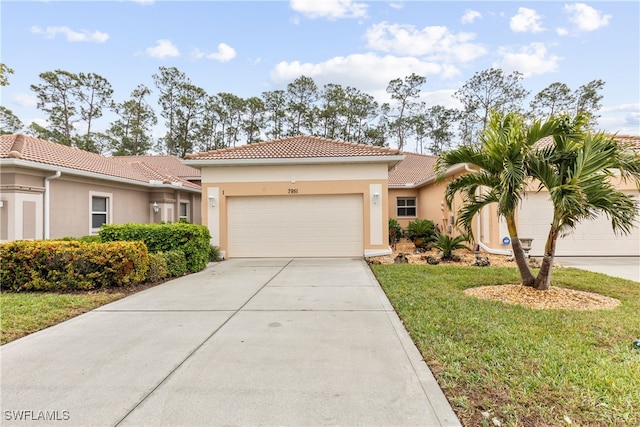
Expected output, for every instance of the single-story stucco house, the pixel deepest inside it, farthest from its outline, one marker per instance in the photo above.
(310, 196)
(49, 190)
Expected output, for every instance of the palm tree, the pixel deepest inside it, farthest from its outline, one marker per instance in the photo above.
(502, 171)
(577, 170)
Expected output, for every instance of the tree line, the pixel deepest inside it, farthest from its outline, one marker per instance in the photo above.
(197, 121)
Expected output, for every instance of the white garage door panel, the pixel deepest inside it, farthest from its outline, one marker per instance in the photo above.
(590, 238)
(289, 226)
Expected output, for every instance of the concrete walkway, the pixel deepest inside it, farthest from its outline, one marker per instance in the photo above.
(269, 342)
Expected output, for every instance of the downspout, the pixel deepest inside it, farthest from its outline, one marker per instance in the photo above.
(479, 222)
(47, 208)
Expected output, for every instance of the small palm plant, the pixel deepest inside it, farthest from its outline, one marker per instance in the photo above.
(421, 232)
(448, 244)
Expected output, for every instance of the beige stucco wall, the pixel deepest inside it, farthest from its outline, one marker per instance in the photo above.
(294, 181)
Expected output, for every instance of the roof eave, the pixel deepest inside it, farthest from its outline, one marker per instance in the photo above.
(389, 159)
(70, 171)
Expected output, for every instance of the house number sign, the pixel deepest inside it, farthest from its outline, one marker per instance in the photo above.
(293, 191)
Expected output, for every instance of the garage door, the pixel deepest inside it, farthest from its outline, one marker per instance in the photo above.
(295, 226)
(590, 238)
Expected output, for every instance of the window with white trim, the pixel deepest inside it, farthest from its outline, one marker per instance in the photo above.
(184, 212)
(406, 207)
(100, 210)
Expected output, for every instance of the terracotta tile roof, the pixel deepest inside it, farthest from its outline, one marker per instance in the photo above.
(49, 153)
(415, 168)
(171, 164)
(295, 147)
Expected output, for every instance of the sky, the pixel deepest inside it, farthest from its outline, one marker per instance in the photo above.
(248, 47)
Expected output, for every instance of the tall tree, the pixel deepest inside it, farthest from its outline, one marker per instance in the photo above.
(4, 74)
(9, 122)
(555, 99)
(57, 97)
(231, 108)
(361, 109)
(275, 105)
(501, 162)
(405, 93)
(487, 91)
(253, 121)
(331, 111)
(131, 133)
(301, 94)
(94, 94)
(587, 98)
(439, 125)
(169, 82)
(577, 171)
(209, 135)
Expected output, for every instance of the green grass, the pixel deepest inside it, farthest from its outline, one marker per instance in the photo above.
(25, 313)
(525, 367)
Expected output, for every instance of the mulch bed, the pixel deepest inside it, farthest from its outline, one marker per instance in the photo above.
(553, 298)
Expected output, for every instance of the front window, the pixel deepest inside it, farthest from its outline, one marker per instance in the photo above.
(184, 212)
(406, 206)
(100, 210)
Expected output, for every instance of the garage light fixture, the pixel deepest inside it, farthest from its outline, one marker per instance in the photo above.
(155, 207)
(212, 202)
(376, 198)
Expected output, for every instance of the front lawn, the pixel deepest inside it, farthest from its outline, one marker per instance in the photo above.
(521, 366)
(23, 313)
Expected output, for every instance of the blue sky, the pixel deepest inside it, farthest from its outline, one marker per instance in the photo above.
(247, 47)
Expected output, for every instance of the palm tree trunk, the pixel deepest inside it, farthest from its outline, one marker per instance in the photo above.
(543, 281)
(521, 261)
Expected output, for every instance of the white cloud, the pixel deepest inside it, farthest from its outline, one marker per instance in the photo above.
(163, 49)
(71, 35)
(224, 53)
(585, 17)
(24, 100)
(330, 9)
(436, 43)
(349, 71)
(470, 16)
(526, 21)
(562, 31)
(396, 5)
(530, 60)
(144, 2)
(622, 119)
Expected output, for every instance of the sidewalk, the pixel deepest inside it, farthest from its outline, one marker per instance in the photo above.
(305, 342)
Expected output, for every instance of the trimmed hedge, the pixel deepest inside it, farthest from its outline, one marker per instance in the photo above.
(50, 265)
(157, 268)
(176, 263)
(191, 239)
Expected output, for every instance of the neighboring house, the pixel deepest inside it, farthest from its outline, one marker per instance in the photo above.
(413, 194)
(49, 190)
(300, 196)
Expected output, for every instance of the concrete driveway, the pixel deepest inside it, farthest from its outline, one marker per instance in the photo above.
(245, 342)
(624, 267)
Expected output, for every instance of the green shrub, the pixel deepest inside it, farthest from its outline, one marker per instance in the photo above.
(193, 240)
(395, 231)
(176, 263)
(48, 265)
(421, 232)
(157, 268)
